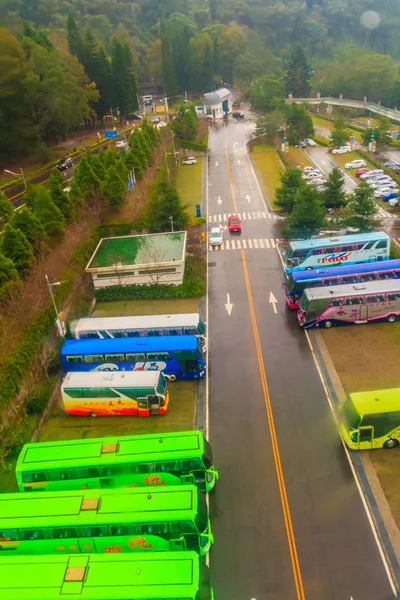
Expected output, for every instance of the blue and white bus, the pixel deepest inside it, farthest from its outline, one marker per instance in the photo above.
(301, 280)
(179, 357)
(337, 251)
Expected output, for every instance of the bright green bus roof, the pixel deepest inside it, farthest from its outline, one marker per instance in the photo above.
(98, 507)
(99, 452)
(378, 401)
(100, 577)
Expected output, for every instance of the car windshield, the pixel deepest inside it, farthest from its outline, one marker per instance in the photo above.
(235, 220)
(216, 234)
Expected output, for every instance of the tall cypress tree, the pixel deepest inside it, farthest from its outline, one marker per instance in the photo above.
(168, 69)
(103, 82)
(16, 247)
(298, 74)
(74, 38)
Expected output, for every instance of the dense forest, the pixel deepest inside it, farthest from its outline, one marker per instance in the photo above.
(65, 62)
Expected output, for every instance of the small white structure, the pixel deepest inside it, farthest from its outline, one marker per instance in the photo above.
(156, 258)
(218, 103)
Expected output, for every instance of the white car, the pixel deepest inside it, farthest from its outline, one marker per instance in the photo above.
(378, 192)
(216, 236)
(310, 142)
(312, 175)
(316, 181)
(190, 160)
(393, 202)
(355, 164)
(372, 173)
(378, 184)
(122, 144)
(309, 170)
(342, 150)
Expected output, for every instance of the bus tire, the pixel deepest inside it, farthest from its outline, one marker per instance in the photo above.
(172, 377)
(391, 444)
(391, 318)
(328, 324)
(93, 414)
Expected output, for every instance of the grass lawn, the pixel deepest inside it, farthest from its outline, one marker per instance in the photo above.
(269, 169)
(127, 308)
(322, 123)
(181, 415)
(189, 183)
(296, 156)
(342, 159)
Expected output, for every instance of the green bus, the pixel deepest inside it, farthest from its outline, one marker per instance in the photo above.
(123, 520)
(166, 576)
(371, 420)
(150, 460)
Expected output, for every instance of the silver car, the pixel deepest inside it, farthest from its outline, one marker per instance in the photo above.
(216, 236)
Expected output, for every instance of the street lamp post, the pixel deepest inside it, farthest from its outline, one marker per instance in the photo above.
(166, 164)
(17, 175)
(50, 287)
(171, 218)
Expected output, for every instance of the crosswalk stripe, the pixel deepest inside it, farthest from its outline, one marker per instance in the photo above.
(249, 216)
(239, 247)
(266, 240)
(233, 244)
(264, 215)
(224, 218)
(272, 243)
(250, 244)
(261, 243)
(227, 245)
(269, 216)
(255, 243)
(244, 216)
(244, 244)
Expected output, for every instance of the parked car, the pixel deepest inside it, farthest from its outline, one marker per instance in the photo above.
(190, 160)
(156, 120)
(355, 164)
(312, 175)
(381, 191)
(65, 164)
(300, 145)
(342, 150)
(122, 144)
(393, 202)
(393, 195)
(392, 163)
(372, 173)
(360, 172)
(310, 142)
(147, 100)
(316, 181)
(309, 170)
(382, 183)
(216, 236)
(234, 224)
(237, 115)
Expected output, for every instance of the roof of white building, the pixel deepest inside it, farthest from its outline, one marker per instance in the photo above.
(217, 96)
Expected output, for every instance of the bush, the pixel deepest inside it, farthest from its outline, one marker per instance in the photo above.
(37, 400)
(193, 286)
(322, 141)
(198, 146)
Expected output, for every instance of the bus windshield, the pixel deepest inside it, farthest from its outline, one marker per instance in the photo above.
(351, 415)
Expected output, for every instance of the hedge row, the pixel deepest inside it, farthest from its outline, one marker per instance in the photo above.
(322, 141)
(199, 146)
(349, 125)
(193, 286)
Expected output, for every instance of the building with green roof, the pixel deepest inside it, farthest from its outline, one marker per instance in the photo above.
(155, 258)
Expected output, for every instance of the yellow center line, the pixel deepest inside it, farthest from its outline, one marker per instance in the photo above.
(274, 440)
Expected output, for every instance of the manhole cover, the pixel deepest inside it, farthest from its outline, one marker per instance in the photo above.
(212, 264)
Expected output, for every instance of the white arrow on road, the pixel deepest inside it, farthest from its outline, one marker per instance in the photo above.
(228, 305)
(219, 200)
(248, 198)
(273, 301)
(235, 144)
(238, 162)
(216, 163)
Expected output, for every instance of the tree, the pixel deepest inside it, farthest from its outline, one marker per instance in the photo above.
(298, 73)
(291, 183)
(98, 167)
(6, 209)
(186, 124)
(201, 50)
(299, 122)
(137, 149)
(60, 198)
(167, 63)
(15, 246)
(154, 61)
(308, 214)
(266, 92)
(339, 135)
(231, 45)
(123, 78)
(269, 125)
(48, 214)
(362, 209)
(165, 201)
(27, 222)
(132, 162)
(114, 188)
(8, 272)
(334, 195)
(86, 179)
(74, 38)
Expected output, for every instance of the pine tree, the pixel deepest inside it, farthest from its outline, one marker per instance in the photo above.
(308, 214)
(27, 222)
(98, 167)
(168, 69)
(298, 74)
(8, 272)
(103, 79)
(334, 195)
(48, 214)
(114, 188)
(110, 158)
(87, 180)
(122, 169)
(138, 150)
(133, 162)
(6, 209)
(60, 198)
(124, 79)
(16, 247)
(362, 209)
(165, 201)
(291, 182)
(74, 39)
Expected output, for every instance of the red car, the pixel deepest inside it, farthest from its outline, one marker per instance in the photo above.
(234, 223)
(360, 172)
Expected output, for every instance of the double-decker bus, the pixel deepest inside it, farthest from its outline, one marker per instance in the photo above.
(142, 393)
(350, 304)
(141, 576)
(371, 419)
(300, 280)
(151, 460)
(146, 326)
(121, 520)
(337, 251)
(180, 357)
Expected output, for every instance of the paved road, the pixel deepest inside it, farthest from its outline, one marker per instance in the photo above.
(255, 551)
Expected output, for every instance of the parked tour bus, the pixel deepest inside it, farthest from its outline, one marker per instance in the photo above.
(371, 419)
(140, 576)
(360, 273)
(94, 394)
(180, 357)
(337, 251)
(120, 520)
(347, 304)
(146, 326)
(151, 460)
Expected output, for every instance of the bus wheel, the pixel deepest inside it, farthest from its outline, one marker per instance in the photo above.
(93, 414)
(172, 377)
(328, 324)
(391, 444)
(391, 318)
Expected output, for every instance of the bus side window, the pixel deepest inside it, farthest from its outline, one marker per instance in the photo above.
(393, 297)
(114, 357)
(64, 532)
(169, 466)
(32, 534)
(135, 357)
(373, 299)
(142, 468)
(349, 279)
(381, 245)
(56, 475)
(185, 466)
(158, 356)
(39, 476)
(133, 528)
(187, 527)
(27, 477)
(387, 275)
(174, 527)
(93, 358)
(369, 245)
(336, 302)
(93, 472)
(74, 359)
(119, 530)
(194, 464)
(112, 470)
(8, 535)
(153, 528)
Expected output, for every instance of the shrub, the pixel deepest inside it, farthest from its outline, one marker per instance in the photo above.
(37, 400)
(197, 146)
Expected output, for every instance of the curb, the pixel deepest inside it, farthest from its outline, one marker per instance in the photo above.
(201, 406)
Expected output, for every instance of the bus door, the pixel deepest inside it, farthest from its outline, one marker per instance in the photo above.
(177, 544)
(365, 437)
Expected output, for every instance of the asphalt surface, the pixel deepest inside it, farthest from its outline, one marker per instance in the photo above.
(254, 556)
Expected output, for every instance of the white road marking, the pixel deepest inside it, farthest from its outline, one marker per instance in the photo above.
(233, 244)
(250, 244)
(255, 243)
(273, 301)
(227, 245)
(261, 243)
(266, 243)
(272, 243)
(244, 244)
(228, 305)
